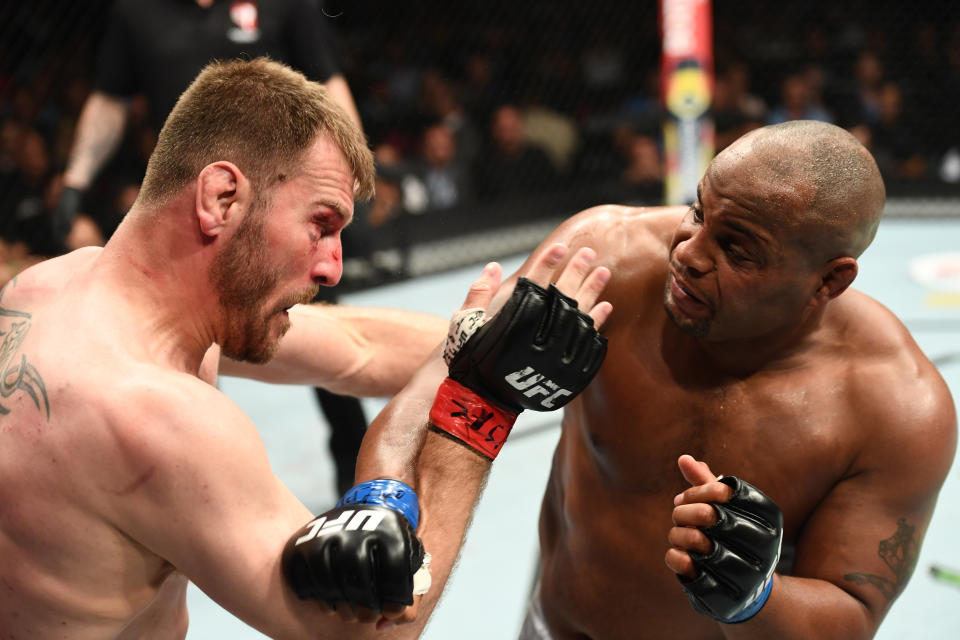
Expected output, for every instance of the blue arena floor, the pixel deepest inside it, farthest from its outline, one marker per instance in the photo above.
(897, 269)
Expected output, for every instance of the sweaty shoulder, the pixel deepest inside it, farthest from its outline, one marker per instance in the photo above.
(621, 233)
(895, 391)
(634, 243)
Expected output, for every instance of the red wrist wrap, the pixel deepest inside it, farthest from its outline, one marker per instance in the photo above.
(476, 422)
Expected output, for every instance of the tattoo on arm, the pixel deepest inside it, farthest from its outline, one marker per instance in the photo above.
(16, 374)
(899, 552)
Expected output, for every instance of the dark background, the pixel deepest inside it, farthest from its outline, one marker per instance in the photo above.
(585, 74)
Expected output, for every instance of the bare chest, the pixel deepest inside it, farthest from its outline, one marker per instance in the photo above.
(773, 430)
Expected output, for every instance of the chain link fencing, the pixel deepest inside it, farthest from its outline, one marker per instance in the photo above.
(493, 121)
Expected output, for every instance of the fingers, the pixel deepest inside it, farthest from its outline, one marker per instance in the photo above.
(699, 514)
(686, 537)
(365, 615)
(393, 611)
(394, 614)
(711, 492)
(546, 263)
(579, 278)
(590, 291)
(692, 512)
(391, 614)
(694, 471)
(576, 271)
(680, 563)
(482, 290)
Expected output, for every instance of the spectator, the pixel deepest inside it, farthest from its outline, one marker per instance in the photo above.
(27, 193)
(895, 146)
(441, 104)
(734, 108)
(445, 173)
(482, 88)
(797, 102)
(135, 58)
(388, 202)
(512, 165)
(644, 171)
(865, 102)
(553, 132)
(633, 165)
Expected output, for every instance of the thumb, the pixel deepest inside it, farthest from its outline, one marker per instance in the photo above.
(694, 471)
(482, 290)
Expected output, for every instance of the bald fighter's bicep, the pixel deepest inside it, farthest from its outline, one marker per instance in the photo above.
(865, 535)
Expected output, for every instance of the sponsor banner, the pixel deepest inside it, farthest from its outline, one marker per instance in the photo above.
(686, 87)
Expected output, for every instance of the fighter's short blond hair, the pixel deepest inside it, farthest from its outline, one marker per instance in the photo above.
(258, 114)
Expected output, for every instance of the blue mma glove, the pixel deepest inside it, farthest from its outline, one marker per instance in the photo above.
(734, 580)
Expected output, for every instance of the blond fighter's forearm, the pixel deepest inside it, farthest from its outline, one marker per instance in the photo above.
(99, 132)
(352, 350)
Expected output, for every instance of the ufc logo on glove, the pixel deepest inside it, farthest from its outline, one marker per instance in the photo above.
(347, 521)
(533, 383)
(539, 344)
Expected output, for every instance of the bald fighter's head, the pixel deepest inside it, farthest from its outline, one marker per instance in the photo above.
(820, 175)
(780, 219)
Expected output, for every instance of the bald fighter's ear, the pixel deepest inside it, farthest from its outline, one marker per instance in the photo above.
(223, 192)
(836, 276)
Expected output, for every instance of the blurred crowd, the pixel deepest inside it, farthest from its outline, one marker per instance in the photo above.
(473, 106)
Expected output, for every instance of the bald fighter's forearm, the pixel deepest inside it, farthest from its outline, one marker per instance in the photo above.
(450, 481)
(394, 439)
(448, 477)
(803, 608)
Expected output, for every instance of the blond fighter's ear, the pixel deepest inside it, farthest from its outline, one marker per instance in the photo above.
(223, 194)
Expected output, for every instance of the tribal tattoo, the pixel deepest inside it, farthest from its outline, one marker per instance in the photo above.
(899, 552)
(16, 374)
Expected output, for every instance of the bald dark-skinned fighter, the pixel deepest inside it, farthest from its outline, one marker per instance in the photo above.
(738, 347)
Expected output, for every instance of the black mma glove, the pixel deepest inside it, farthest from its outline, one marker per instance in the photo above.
(69, 204)
(364, 552)
(734, 580)
(538, 352)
